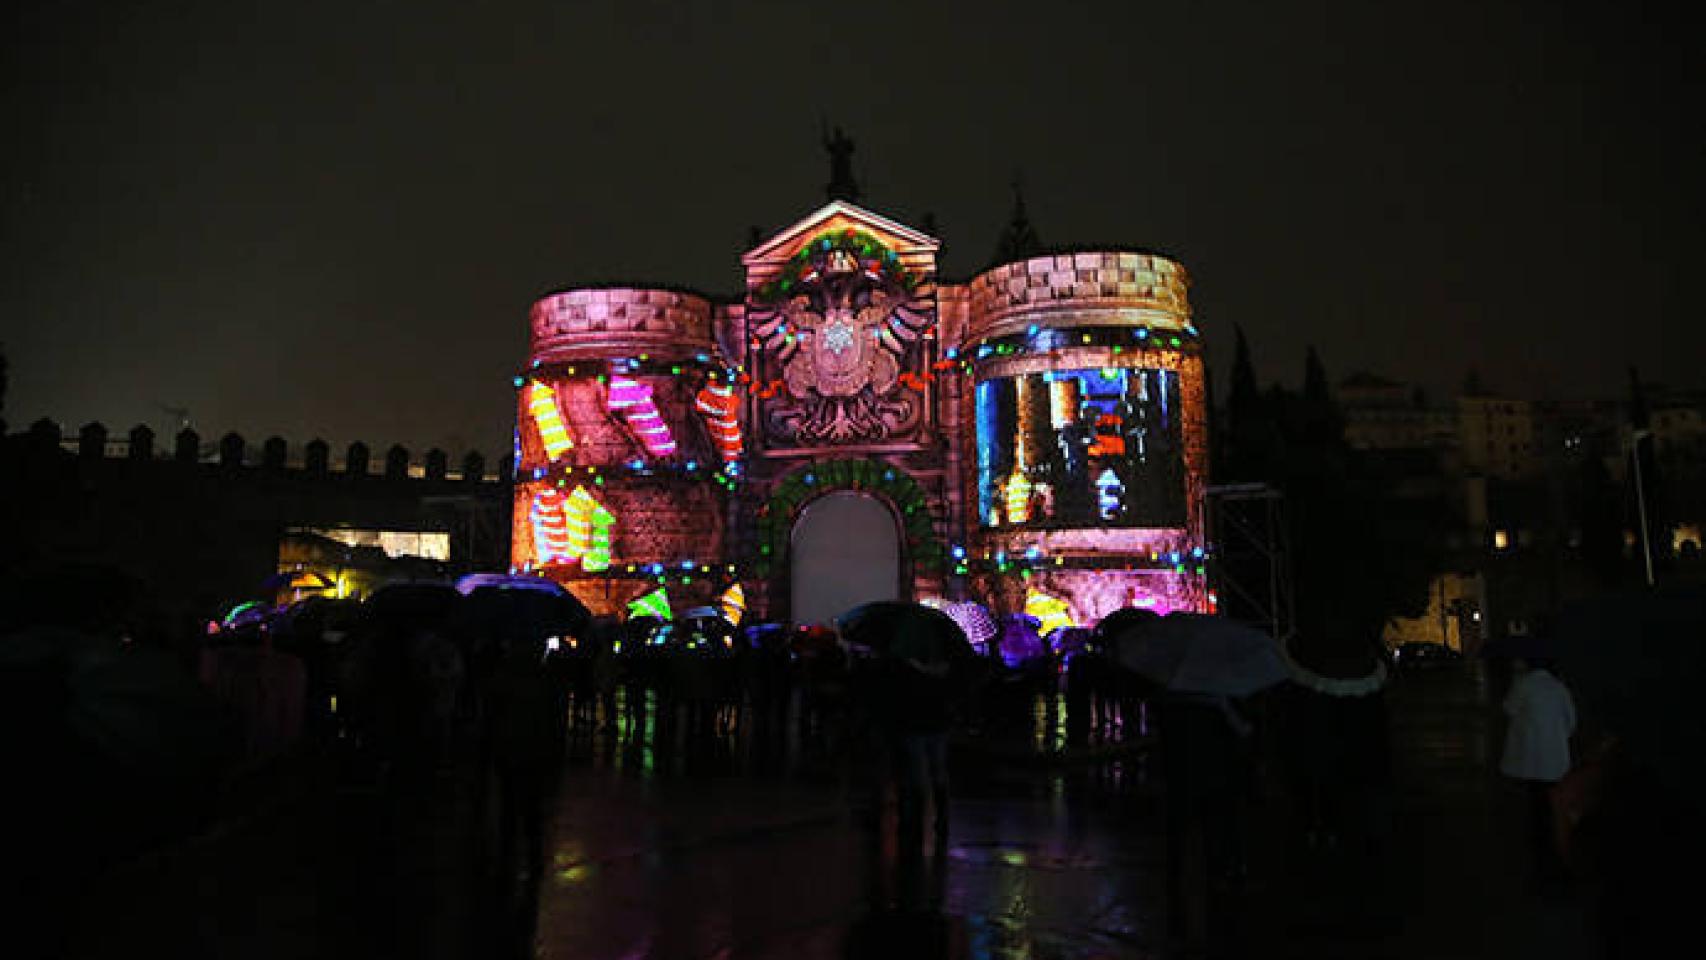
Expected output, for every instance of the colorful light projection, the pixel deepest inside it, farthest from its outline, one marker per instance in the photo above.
(633, 401)
(570, 528)
(550, 527)
(717, 404)
(732, 604)
(597, 558)
(548, 420)
(654, 604)
(578, 512)
(1052, 613)
(1018, 497)
(1081, 448)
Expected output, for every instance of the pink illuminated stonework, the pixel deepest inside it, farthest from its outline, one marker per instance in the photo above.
(1039, 429)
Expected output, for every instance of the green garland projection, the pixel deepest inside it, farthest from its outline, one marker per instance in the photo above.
(873, 255)
(776, 517)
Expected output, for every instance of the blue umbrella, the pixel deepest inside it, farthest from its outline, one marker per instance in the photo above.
(1198, 653)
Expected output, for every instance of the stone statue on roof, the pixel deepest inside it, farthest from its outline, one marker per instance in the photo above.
(841, 184)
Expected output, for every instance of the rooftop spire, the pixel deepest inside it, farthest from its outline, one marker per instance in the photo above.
(1019, 240)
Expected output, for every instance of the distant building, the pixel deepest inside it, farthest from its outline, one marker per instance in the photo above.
(1382, 414)
(1496, 437)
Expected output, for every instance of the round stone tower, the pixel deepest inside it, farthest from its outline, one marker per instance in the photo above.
(621, 486)
(1087, 437)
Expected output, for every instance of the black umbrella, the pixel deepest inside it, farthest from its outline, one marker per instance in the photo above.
(528, 614)
(906, 631)
(1635, 660)
(1200, 653)
(414, 604)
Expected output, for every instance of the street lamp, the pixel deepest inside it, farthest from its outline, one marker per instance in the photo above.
(1641, 500)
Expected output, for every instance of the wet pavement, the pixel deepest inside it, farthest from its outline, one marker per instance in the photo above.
(742, 846)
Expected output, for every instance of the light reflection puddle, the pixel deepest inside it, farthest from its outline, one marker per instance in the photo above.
(1013, 855)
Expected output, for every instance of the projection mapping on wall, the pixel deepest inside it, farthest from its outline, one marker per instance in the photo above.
(1080, 448)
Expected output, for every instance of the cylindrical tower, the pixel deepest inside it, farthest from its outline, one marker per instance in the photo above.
(626, 441)
(1089, 422)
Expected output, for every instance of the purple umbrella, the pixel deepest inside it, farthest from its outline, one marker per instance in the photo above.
(1020, 640)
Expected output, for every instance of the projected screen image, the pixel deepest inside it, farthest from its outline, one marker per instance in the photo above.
(1080, 448)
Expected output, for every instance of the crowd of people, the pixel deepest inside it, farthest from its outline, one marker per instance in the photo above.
(421, 683)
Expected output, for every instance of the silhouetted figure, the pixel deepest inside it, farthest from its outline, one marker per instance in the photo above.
(522, 730)
(110, 748)
(264, 689)
(916, 709)
(1640, 831)
(1206, 758)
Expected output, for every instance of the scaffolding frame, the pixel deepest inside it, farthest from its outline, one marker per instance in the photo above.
(1251, 556)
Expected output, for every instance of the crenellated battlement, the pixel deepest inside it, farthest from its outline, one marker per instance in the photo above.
(232, 451)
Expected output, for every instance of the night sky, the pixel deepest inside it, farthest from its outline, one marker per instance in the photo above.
(329, 219)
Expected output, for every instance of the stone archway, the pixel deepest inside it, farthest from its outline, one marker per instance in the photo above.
(844, 550)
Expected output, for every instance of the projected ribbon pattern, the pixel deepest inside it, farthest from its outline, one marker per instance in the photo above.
(550, 527)
(573, 527)
(633, 401)
(717, 402)
(548, 420)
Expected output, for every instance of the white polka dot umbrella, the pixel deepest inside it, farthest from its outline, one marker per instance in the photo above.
(976, 622)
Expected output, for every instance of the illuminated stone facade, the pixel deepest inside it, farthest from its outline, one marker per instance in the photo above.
(666, 439)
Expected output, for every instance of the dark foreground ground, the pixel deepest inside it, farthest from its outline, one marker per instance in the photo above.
(656, 850)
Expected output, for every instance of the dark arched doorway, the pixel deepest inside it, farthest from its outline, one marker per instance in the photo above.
(844, 550)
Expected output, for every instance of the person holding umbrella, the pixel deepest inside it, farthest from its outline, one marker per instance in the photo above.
(1205, 664)
(912, 652)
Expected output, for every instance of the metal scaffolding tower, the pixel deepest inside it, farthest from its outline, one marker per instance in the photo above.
(1251, 568)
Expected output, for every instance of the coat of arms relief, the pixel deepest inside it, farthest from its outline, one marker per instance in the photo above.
(840, 324)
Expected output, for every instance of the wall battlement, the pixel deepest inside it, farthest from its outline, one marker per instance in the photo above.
(232, 451)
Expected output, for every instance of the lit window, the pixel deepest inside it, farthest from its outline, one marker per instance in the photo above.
(1501, 540)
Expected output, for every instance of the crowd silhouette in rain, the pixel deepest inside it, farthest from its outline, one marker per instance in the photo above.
(426, 704)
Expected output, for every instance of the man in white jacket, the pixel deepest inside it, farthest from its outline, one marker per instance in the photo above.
(1542, 718)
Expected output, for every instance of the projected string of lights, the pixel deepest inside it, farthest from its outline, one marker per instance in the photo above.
(1039, 339)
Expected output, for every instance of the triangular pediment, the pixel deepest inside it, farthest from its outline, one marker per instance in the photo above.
(840, 215)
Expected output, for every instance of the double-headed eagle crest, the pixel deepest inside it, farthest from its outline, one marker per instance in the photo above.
(838, 322)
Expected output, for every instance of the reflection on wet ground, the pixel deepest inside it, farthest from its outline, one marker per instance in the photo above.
(674, 836)
(673, 841)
